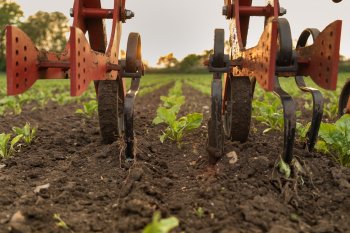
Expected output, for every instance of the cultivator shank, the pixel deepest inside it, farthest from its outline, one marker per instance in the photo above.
(83, 61)
(271, 58)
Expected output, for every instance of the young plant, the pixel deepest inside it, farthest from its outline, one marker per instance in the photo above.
(302, 131)
(61, 224)
(268, 111)
(177, 128)
(335, 140)
(7, 146)
(159, 225)
(28, 133)
(89, 109)
(199, 212)
(167, 114)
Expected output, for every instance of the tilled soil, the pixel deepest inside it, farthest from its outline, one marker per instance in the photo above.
(95, 190)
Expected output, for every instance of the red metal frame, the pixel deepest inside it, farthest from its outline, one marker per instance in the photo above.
(81, 61)
(320, 60)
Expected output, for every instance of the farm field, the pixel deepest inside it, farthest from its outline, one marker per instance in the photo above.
(93, 189)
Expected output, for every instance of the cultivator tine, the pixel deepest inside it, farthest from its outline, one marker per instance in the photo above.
(129, 119)
(320, 60)
(317, 112)
(215, 126)
(289, 121)
(344, 100)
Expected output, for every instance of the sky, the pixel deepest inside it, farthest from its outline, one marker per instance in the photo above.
(187, 26)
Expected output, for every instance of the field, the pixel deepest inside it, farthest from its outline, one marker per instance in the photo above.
(66, 180)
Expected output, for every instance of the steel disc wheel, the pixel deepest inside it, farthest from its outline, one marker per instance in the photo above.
(110, 109)
(238, 108)
(219, 48)
(344, 99)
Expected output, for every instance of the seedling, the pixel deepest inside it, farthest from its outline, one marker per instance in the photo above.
(60, 223)
(199, 212)
(168, 114)
(28, 133)
(284, 168)
(6, 150)
(269, 113)
(159, 225)
(335, 140)
(89, 109)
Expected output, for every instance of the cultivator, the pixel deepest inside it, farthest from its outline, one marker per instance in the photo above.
(83, 61)
(273, 57)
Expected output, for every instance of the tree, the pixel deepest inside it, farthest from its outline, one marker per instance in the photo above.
(189, 62)
(47, 30)
(10, 13)
(168, 61)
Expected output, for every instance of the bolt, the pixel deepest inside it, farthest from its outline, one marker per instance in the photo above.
(129, 14)
(71, 12)
(283, 11)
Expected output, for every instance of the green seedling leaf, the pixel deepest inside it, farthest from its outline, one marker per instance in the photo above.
(284, 168)
(159, 225)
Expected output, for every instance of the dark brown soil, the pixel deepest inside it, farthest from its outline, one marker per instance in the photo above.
(95, 190)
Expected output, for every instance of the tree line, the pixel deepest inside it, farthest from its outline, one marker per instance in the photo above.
(47, 30)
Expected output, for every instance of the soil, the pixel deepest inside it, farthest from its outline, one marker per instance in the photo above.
(95, 190)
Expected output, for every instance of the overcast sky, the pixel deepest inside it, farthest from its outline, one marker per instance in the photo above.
(187, 26)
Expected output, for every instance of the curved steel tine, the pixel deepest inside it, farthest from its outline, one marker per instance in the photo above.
(317, 111)
(216, 136)
(289, 121)
(129, 136)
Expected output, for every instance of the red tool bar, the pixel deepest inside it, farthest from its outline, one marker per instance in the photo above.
(54, 64)
(256, 11)
(98, 13)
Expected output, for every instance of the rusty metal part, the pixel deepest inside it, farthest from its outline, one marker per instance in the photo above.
(260, 61)
(320, 60)
(289, 121)
(344, 100)
(240, 12)
(215, 147)
(317, 112)
(237, 107)
(317, 98)
(133, 59)
(285, 43)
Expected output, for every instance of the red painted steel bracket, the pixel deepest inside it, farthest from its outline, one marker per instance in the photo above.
(25, 63)
(80, 62)
(320, 60)
(260, 61)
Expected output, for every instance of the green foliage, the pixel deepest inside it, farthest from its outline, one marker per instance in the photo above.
(167, 114)
(269, 112)
(47, 30)
(302, 131)
(10, 103)
(28, 133)
(7, 146)
(89, 109)
(335, 140)
(159, 225)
